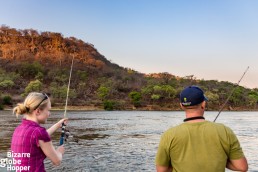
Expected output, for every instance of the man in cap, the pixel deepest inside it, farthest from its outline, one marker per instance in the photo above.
(198, 145)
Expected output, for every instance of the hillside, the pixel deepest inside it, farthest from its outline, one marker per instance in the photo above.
(40, 61)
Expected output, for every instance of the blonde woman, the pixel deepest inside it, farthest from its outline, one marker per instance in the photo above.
(31, 141)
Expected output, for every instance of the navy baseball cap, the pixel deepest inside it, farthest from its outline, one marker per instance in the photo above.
(191, 96)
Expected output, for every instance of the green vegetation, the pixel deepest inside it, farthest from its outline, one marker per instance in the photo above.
(6, 84)
(33, 61)
(7, 100)
(31, 70)
(135, 98)
(33, 86)
(108, 105)
(103, 92)
(7, 79)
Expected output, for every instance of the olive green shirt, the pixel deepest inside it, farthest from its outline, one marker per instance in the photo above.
(196, 147)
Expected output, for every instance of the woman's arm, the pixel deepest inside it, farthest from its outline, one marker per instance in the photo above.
(57, 125)
(55, 155)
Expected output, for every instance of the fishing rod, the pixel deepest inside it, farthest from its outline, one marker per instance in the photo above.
(67, 95)
(230, 94)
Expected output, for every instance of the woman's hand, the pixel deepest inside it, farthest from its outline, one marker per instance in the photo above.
(61, 149)
(59, 123)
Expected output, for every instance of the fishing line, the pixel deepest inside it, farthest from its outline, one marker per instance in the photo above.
(67, 95)
(230, 94)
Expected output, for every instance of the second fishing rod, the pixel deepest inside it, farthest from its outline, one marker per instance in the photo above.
(231, 93)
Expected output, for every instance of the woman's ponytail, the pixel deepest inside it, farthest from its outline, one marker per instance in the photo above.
(20, 109)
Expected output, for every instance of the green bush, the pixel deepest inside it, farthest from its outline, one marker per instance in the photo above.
(103, 92)
(31, 69)
(83, 75)
(33, 86)
(1, 107)
(109, 105)
(136, 98)
(60, 92)
(7, 100)
(155, 96)
(6, 84)
(39, 76)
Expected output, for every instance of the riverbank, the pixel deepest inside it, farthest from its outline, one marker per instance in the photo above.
(146, 108)
(132, 108)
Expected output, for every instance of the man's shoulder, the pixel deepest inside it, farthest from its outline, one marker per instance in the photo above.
(172, 130)
(218, 126)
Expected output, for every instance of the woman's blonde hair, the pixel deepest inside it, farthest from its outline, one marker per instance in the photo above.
(33, 101)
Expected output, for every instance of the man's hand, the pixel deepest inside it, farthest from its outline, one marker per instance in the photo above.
(163, 168)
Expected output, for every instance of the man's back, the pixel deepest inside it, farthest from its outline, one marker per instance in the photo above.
(200, 146)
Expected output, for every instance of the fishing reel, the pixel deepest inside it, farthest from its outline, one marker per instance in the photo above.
(66, 136)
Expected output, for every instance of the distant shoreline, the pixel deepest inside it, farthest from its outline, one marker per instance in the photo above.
(146, 108)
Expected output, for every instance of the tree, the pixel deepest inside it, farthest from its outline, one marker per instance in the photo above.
(7, 100)
(103, 92)
(60, 76)
(39, 76)
(169, 91)
(60, 92)
(81, 89)
(253, 98)
(237, 96)
(135, 98)
(109, 105)
(1, 106)
(6, 84)
(33, 86)
(147, 90)
(83, 75)
(213, 97)
(155, 96)
(157, 89)
(31, 69)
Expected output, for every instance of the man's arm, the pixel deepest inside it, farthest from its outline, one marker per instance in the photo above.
(163, 168)
(236, 159)
(238, 164)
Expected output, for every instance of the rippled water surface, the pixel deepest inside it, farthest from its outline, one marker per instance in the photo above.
(126, 140)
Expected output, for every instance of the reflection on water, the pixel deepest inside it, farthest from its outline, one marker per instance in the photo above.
(126, 141)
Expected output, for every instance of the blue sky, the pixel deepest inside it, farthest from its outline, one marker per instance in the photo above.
(207, 39)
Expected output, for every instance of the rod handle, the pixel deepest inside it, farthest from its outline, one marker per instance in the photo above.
(61, 141)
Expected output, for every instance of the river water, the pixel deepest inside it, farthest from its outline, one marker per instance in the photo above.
(126, 140)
